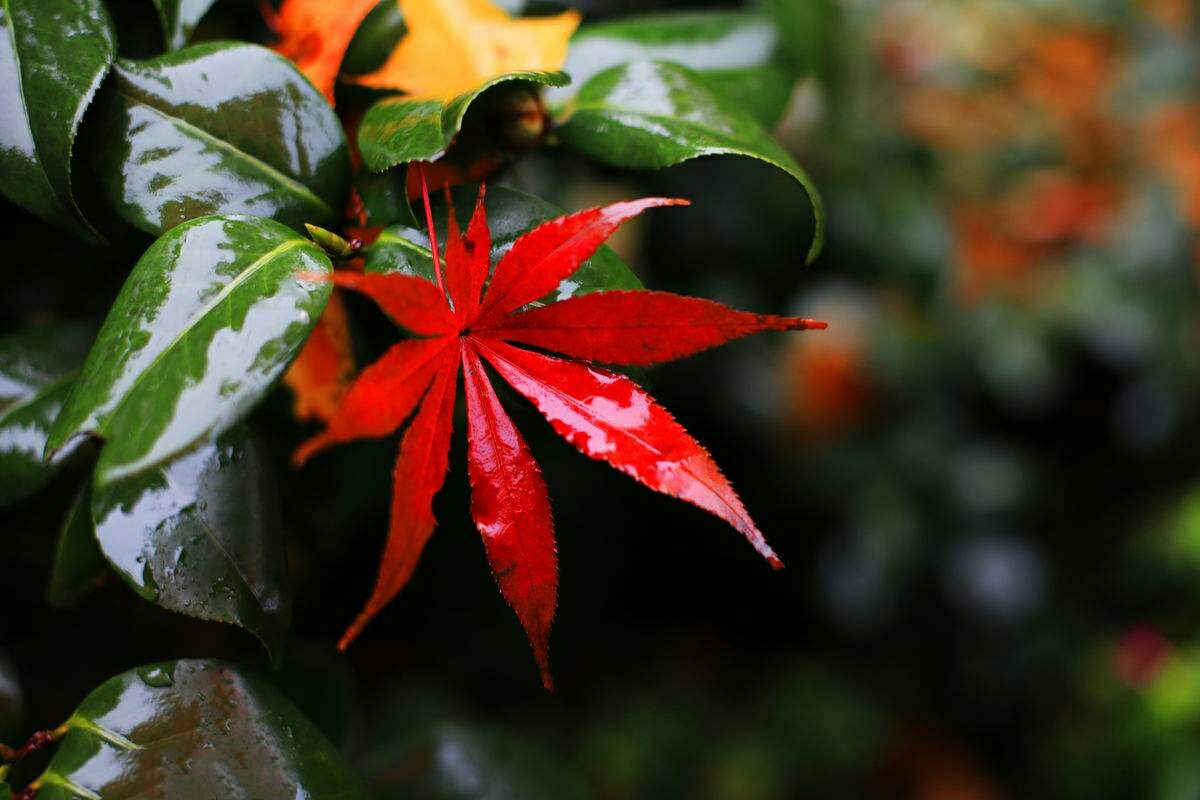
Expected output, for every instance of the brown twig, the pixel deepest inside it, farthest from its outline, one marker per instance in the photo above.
(38, 741)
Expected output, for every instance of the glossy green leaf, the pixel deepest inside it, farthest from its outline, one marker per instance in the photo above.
(814, 29)
(79, 566)
(194, 730)
(200, 535)
(179, 19)
(460, 762)
(764, 93)
(402, 249)
(733, 53)
(207, 320)
(37, 368)
(398, 130)
(11, 702)
(221, 128)
(5, 792)
(510, 214)
(375, 39)
(649, 115)
(53, 56)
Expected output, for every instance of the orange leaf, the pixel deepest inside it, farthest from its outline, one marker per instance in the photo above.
(315, 34)
(322, 372)
(452, 46)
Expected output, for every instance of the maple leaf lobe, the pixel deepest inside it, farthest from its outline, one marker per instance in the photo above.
(604, 414)
(417, 477)
(549, 254)
(511, 508)
(634, 328)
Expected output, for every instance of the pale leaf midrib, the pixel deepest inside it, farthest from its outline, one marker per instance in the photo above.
(98, 730)
(54, 779)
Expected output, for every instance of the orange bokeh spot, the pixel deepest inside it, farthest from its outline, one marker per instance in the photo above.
(828, 393)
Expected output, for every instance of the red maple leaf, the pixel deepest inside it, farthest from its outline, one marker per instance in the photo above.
(604, 414)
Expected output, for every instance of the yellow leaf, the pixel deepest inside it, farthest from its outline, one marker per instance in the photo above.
(452, 46)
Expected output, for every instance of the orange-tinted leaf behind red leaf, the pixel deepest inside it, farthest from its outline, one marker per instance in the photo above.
(551, 252)
(442, 172)
(419, 474)
(382, 397)
(314, 34)
(321, 373)
(635, 328)
(511, 508)
(454, 46)
(610, 418)
(413, 303)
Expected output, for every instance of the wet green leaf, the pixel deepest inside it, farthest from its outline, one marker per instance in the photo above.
(194, 730)
(179, 19)
(764, 93)
(384, 197)
(221, 128)
(79, 566)
(650, 115)
(510, 214)
(400, 248)
(200, 535)
(733, 53)
(11, 703)
(398, 130)
(37, 368)
(53, 56)
(814, 29)
(207, 320)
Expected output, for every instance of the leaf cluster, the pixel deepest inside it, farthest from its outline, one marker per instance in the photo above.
(225, 153)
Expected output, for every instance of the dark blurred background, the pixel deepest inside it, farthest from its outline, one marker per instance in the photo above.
(984, 477)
